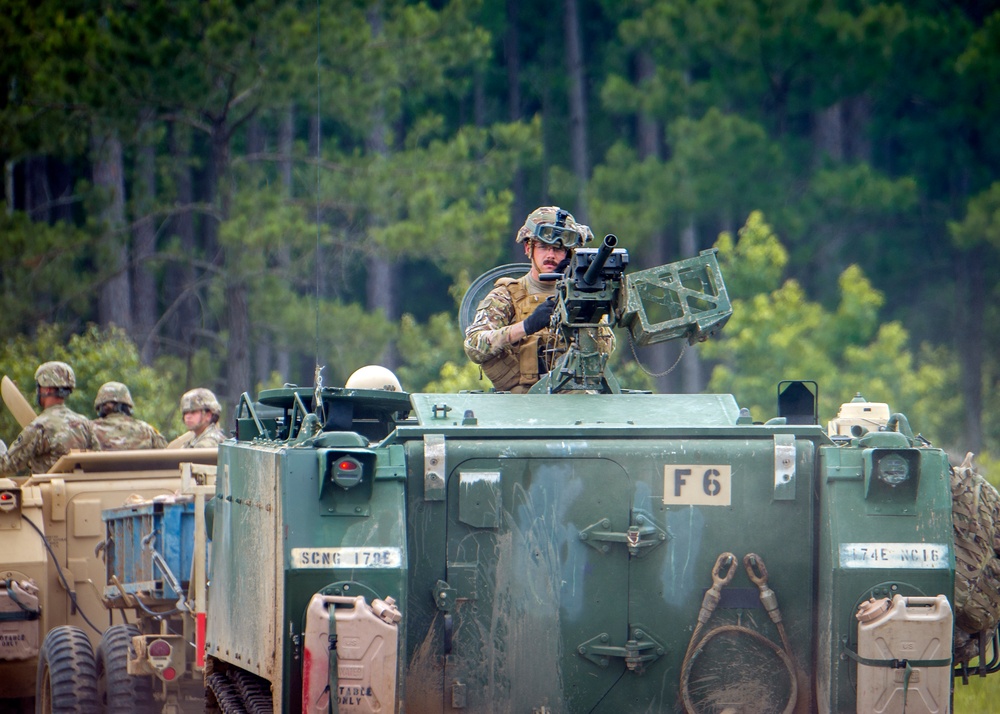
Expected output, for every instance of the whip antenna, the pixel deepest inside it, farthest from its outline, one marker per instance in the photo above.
(317, 376)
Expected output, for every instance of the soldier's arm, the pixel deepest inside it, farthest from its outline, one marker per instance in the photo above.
(491, 331)
(19, 453)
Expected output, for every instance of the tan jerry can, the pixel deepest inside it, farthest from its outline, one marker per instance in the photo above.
(912, 629)
(20, 620)
(366, 648)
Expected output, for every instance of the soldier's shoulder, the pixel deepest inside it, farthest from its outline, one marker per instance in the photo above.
(498, 297)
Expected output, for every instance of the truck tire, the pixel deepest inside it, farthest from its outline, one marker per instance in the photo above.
(120, 692)
(67, 674)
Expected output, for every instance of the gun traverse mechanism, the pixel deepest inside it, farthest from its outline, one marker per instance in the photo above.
(686, 299)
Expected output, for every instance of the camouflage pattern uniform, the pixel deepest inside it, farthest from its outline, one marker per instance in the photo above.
(515, 368)
(510, 367)
(212, 436)
(118, 430)
(53, 433)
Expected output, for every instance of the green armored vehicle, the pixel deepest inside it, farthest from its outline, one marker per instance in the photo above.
(581, 548)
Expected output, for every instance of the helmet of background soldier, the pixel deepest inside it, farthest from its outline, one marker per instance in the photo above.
(554, 226)
(55, 374)
(113, 392)
(198, 399)
(373, 376)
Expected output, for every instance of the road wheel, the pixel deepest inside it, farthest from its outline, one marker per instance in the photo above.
(67, 674)
(120, 692)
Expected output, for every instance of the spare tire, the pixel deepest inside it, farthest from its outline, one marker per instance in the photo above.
(67, 674)
(119, 691)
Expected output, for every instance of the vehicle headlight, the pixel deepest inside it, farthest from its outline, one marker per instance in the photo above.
(893, 469)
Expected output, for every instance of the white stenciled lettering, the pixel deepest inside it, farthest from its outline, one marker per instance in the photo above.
(347, 557)
(894, 555)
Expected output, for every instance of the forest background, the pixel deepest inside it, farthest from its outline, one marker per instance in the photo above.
(226, 194)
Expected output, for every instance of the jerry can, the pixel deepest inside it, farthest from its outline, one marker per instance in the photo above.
(363, 641)
(19, 620)
(905, 630)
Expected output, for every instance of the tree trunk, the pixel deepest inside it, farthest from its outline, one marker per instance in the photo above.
(658, 359)
(828, 134)
(8, 185)
(970, 342)
(180, 279)
(380, 288)
(857, 125)
(519, 207)
(286, 143)
(577, 107)
(114, 306)
(238, 378)
(144, 237)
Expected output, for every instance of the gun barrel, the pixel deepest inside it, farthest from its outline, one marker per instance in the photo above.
(603, 253)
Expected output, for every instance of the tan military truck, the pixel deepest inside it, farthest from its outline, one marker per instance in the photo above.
(52, 573)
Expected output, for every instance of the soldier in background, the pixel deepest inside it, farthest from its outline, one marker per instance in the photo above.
(115, 427)
(54, 432)
(201, 412)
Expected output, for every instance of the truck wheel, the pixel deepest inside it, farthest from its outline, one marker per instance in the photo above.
(67, 674)
(120, 692)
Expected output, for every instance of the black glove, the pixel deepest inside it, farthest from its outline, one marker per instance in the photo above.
(540, 318)
(564, 263)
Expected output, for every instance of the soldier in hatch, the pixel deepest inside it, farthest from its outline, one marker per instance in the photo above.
(115, 427)
(201, 412)
(510, 335)
(54, 432)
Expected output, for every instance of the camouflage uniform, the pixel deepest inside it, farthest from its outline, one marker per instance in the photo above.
(212, 436)
(487, 340)
(53, 433)
(117, 430)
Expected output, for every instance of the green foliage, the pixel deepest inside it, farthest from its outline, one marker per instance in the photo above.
(779, 334)
(981, 224)
(34, 260)
(96, 356)
(434, 358)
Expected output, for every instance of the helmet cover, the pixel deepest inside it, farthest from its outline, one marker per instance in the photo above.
(55, 374)
(113, 392)
(198, 399)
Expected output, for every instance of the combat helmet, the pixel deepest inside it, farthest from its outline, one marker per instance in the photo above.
(200, 398)
(554, 226)
(55, 374)
(113, 392)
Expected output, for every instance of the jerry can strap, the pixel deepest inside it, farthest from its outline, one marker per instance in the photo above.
(896, 663)
(904, 664)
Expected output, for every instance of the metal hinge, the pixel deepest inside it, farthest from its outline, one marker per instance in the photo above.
(784, 467)
(638, 652)
(434, 465)
(642, 535)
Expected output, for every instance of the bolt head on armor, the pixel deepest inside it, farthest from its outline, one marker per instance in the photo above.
(554, 226)
(113, 392)
(198, 399)
(55, 374)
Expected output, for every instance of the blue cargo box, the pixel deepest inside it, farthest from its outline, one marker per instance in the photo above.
(132, 561)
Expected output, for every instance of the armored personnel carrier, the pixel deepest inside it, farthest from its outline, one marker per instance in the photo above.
(583, 547)
(580, 548)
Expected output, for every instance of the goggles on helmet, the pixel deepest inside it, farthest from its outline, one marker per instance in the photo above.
(551, 234)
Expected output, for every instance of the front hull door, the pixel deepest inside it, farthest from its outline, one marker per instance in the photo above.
(539, 582)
